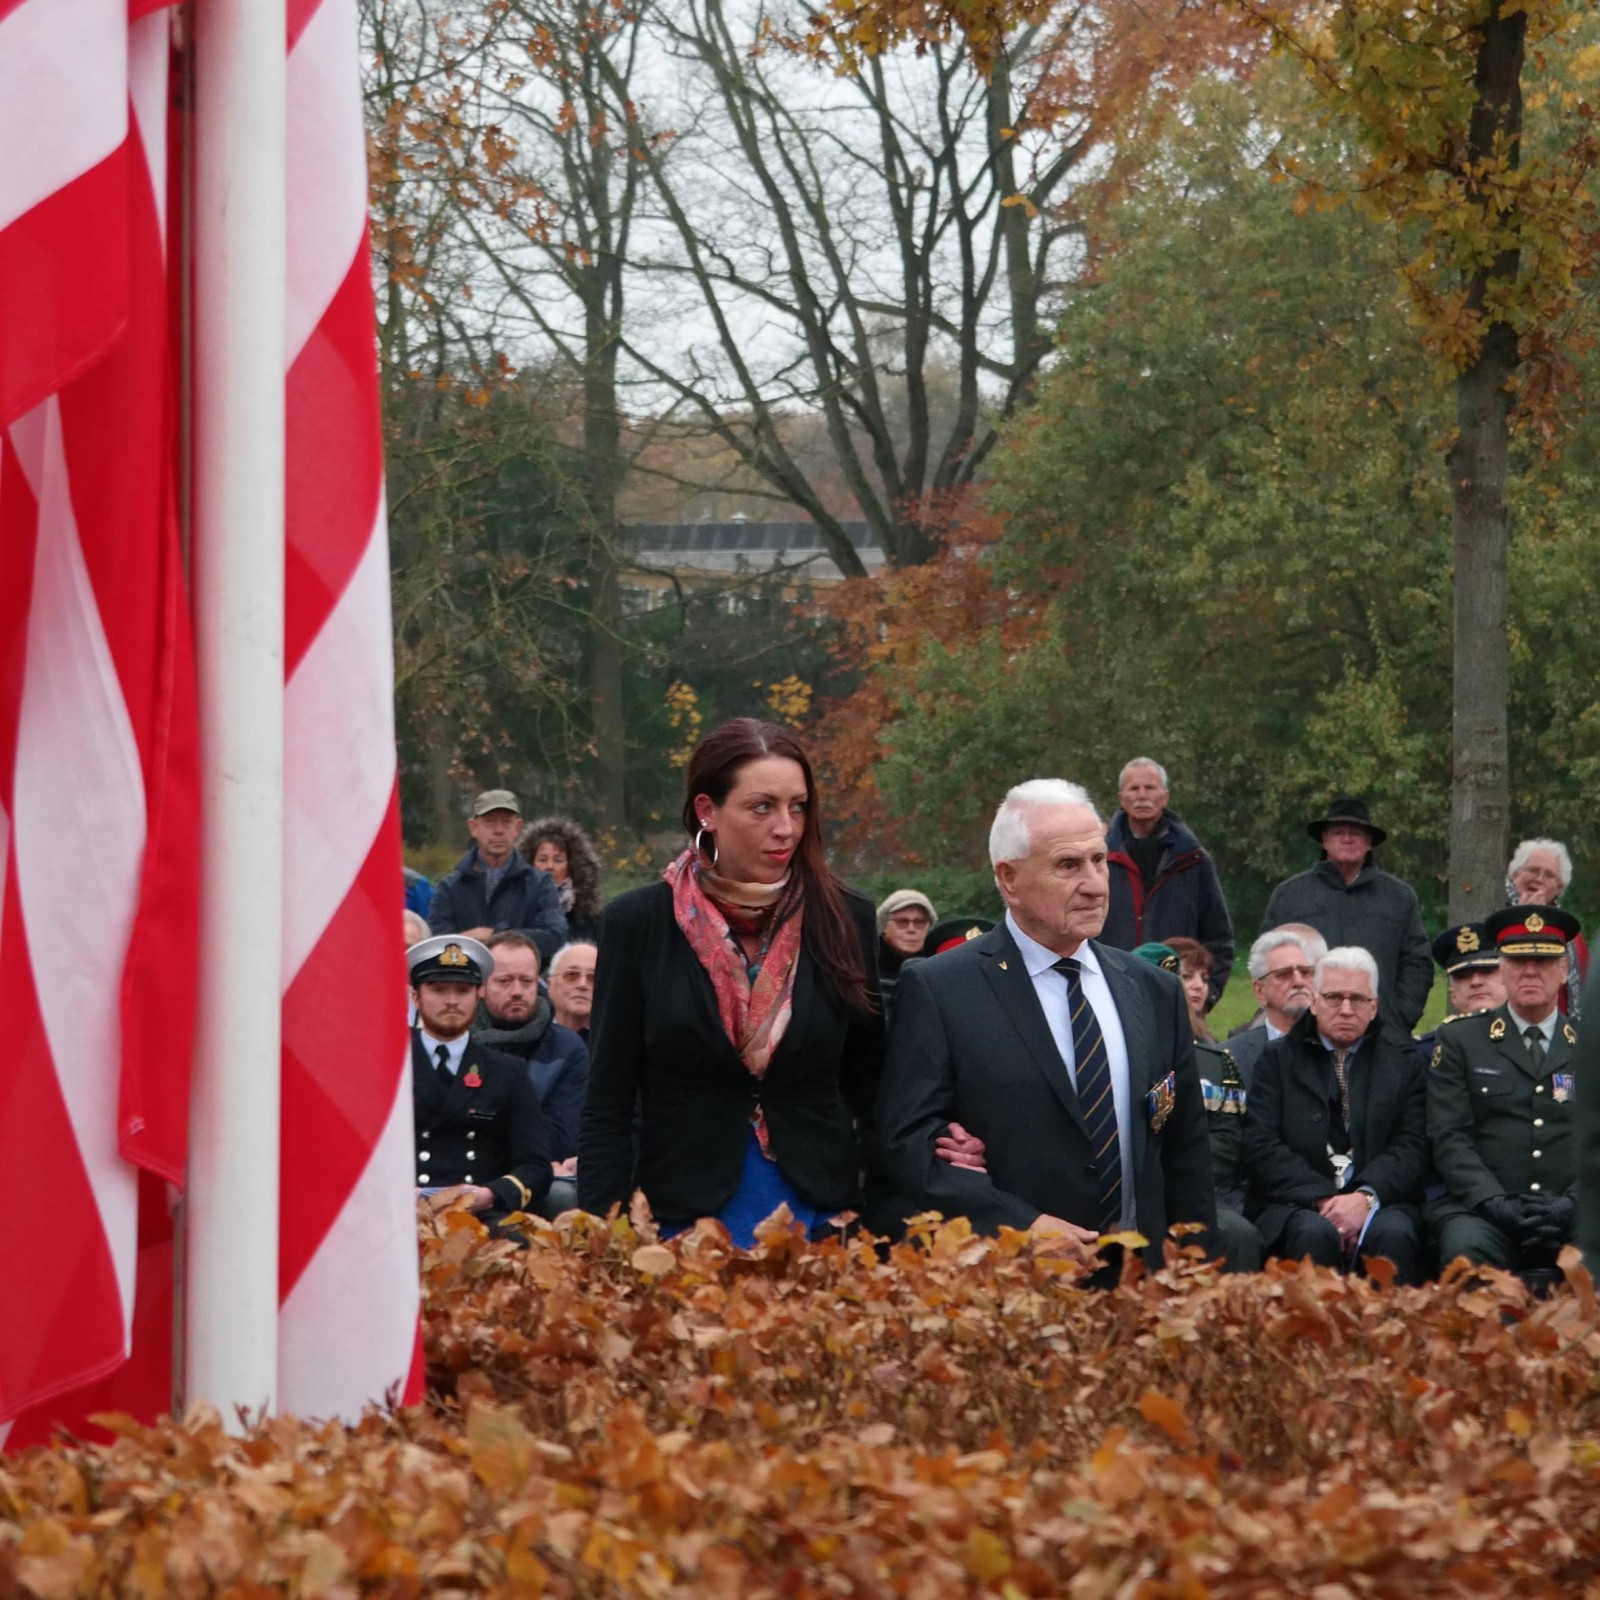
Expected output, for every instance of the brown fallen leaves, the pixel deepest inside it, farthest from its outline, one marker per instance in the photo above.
(611, 1414)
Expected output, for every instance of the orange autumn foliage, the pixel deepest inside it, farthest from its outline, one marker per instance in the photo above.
(611, 1414)
(904, 632)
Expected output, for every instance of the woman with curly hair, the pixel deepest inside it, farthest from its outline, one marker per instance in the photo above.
(557, 845)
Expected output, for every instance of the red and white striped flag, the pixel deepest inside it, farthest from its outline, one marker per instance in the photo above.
(348, 1257)
(98, 789)
(97, 777)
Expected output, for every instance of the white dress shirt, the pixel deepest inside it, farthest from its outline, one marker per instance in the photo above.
(456, 1047)
(1547, 1027)
(1051, 988)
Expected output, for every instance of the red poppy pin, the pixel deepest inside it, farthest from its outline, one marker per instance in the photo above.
(472, 1080)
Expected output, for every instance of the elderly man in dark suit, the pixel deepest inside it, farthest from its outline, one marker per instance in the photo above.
(1335, 1132)
(1072, 1063)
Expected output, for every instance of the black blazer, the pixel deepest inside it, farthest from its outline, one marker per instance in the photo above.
(1286, 1124)
(655, 1039)
(971, 1044)
(492, 1135)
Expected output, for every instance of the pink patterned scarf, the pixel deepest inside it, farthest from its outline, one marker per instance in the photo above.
(754, 998)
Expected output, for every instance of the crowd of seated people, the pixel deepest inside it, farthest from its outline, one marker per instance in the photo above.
(747, 1032)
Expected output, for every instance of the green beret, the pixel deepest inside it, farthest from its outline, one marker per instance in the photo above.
(1159, 955)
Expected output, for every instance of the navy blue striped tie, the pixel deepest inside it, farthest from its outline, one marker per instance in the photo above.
(1094, 1095)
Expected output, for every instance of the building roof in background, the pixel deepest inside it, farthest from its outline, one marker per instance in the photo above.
(722, 546)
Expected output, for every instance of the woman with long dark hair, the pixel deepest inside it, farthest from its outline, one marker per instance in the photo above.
(736, 1006)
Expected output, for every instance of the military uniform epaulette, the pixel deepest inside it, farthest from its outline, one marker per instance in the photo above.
(1445, 1022)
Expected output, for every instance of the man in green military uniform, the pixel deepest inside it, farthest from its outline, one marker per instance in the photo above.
(1472, 978)
(1223, 1089)
(1501, 1110)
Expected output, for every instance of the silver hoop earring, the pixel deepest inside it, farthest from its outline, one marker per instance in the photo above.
(700, 833)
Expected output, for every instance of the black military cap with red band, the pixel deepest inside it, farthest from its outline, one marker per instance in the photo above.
(1531, 932)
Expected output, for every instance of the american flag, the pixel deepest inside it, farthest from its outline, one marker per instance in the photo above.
(98, 774)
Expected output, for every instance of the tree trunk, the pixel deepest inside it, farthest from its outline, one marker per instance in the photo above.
(605, 690)
(445, 822)
(603, 467)
(1480, 802)
(1481, 526)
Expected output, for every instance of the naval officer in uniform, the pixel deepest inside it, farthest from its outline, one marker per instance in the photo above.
(1472, 978)
(480, 1135)
(1501, 1106)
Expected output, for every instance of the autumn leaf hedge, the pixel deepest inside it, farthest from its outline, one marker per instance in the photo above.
(609, 1414)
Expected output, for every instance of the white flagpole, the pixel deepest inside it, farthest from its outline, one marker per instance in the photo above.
(239, 257)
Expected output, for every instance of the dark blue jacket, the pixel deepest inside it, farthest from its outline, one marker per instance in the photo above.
(1185, 901)
(524, 899)
(558, 1068)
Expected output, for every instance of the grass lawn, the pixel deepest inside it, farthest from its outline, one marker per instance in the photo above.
(1238, 1004)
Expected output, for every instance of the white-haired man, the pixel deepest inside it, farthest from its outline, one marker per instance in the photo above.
(1281, 963)
(1335, 1130)
(571, 984)
(1071, 1062)
(1162, 885)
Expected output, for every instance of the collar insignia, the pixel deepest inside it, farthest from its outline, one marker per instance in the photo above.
(1535, 923)
(1497, 1028)
(452, 956)
(1467, 941)
(1568, 1034)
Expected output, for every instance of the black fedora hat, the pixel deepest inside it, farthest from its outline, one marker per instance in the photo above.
(1347, 808)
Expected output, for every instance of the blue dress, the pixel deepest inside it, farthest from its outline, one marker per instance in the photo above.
(762, 1189)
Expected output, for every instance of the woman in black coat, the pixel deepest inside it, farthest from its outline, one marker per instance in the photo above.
(736, 1004)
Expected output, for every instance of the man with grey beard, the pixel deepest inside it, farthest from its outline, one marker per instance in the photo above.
(1281, 964)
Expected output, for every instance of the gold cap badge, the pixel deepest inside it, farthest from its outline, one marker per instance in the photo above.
(1467, 941)
(452, 956)
(1535, 923)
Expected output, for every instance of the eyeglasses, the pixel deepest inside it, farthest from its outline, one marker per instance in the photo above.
(1350, 1002)
(1289, 972)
